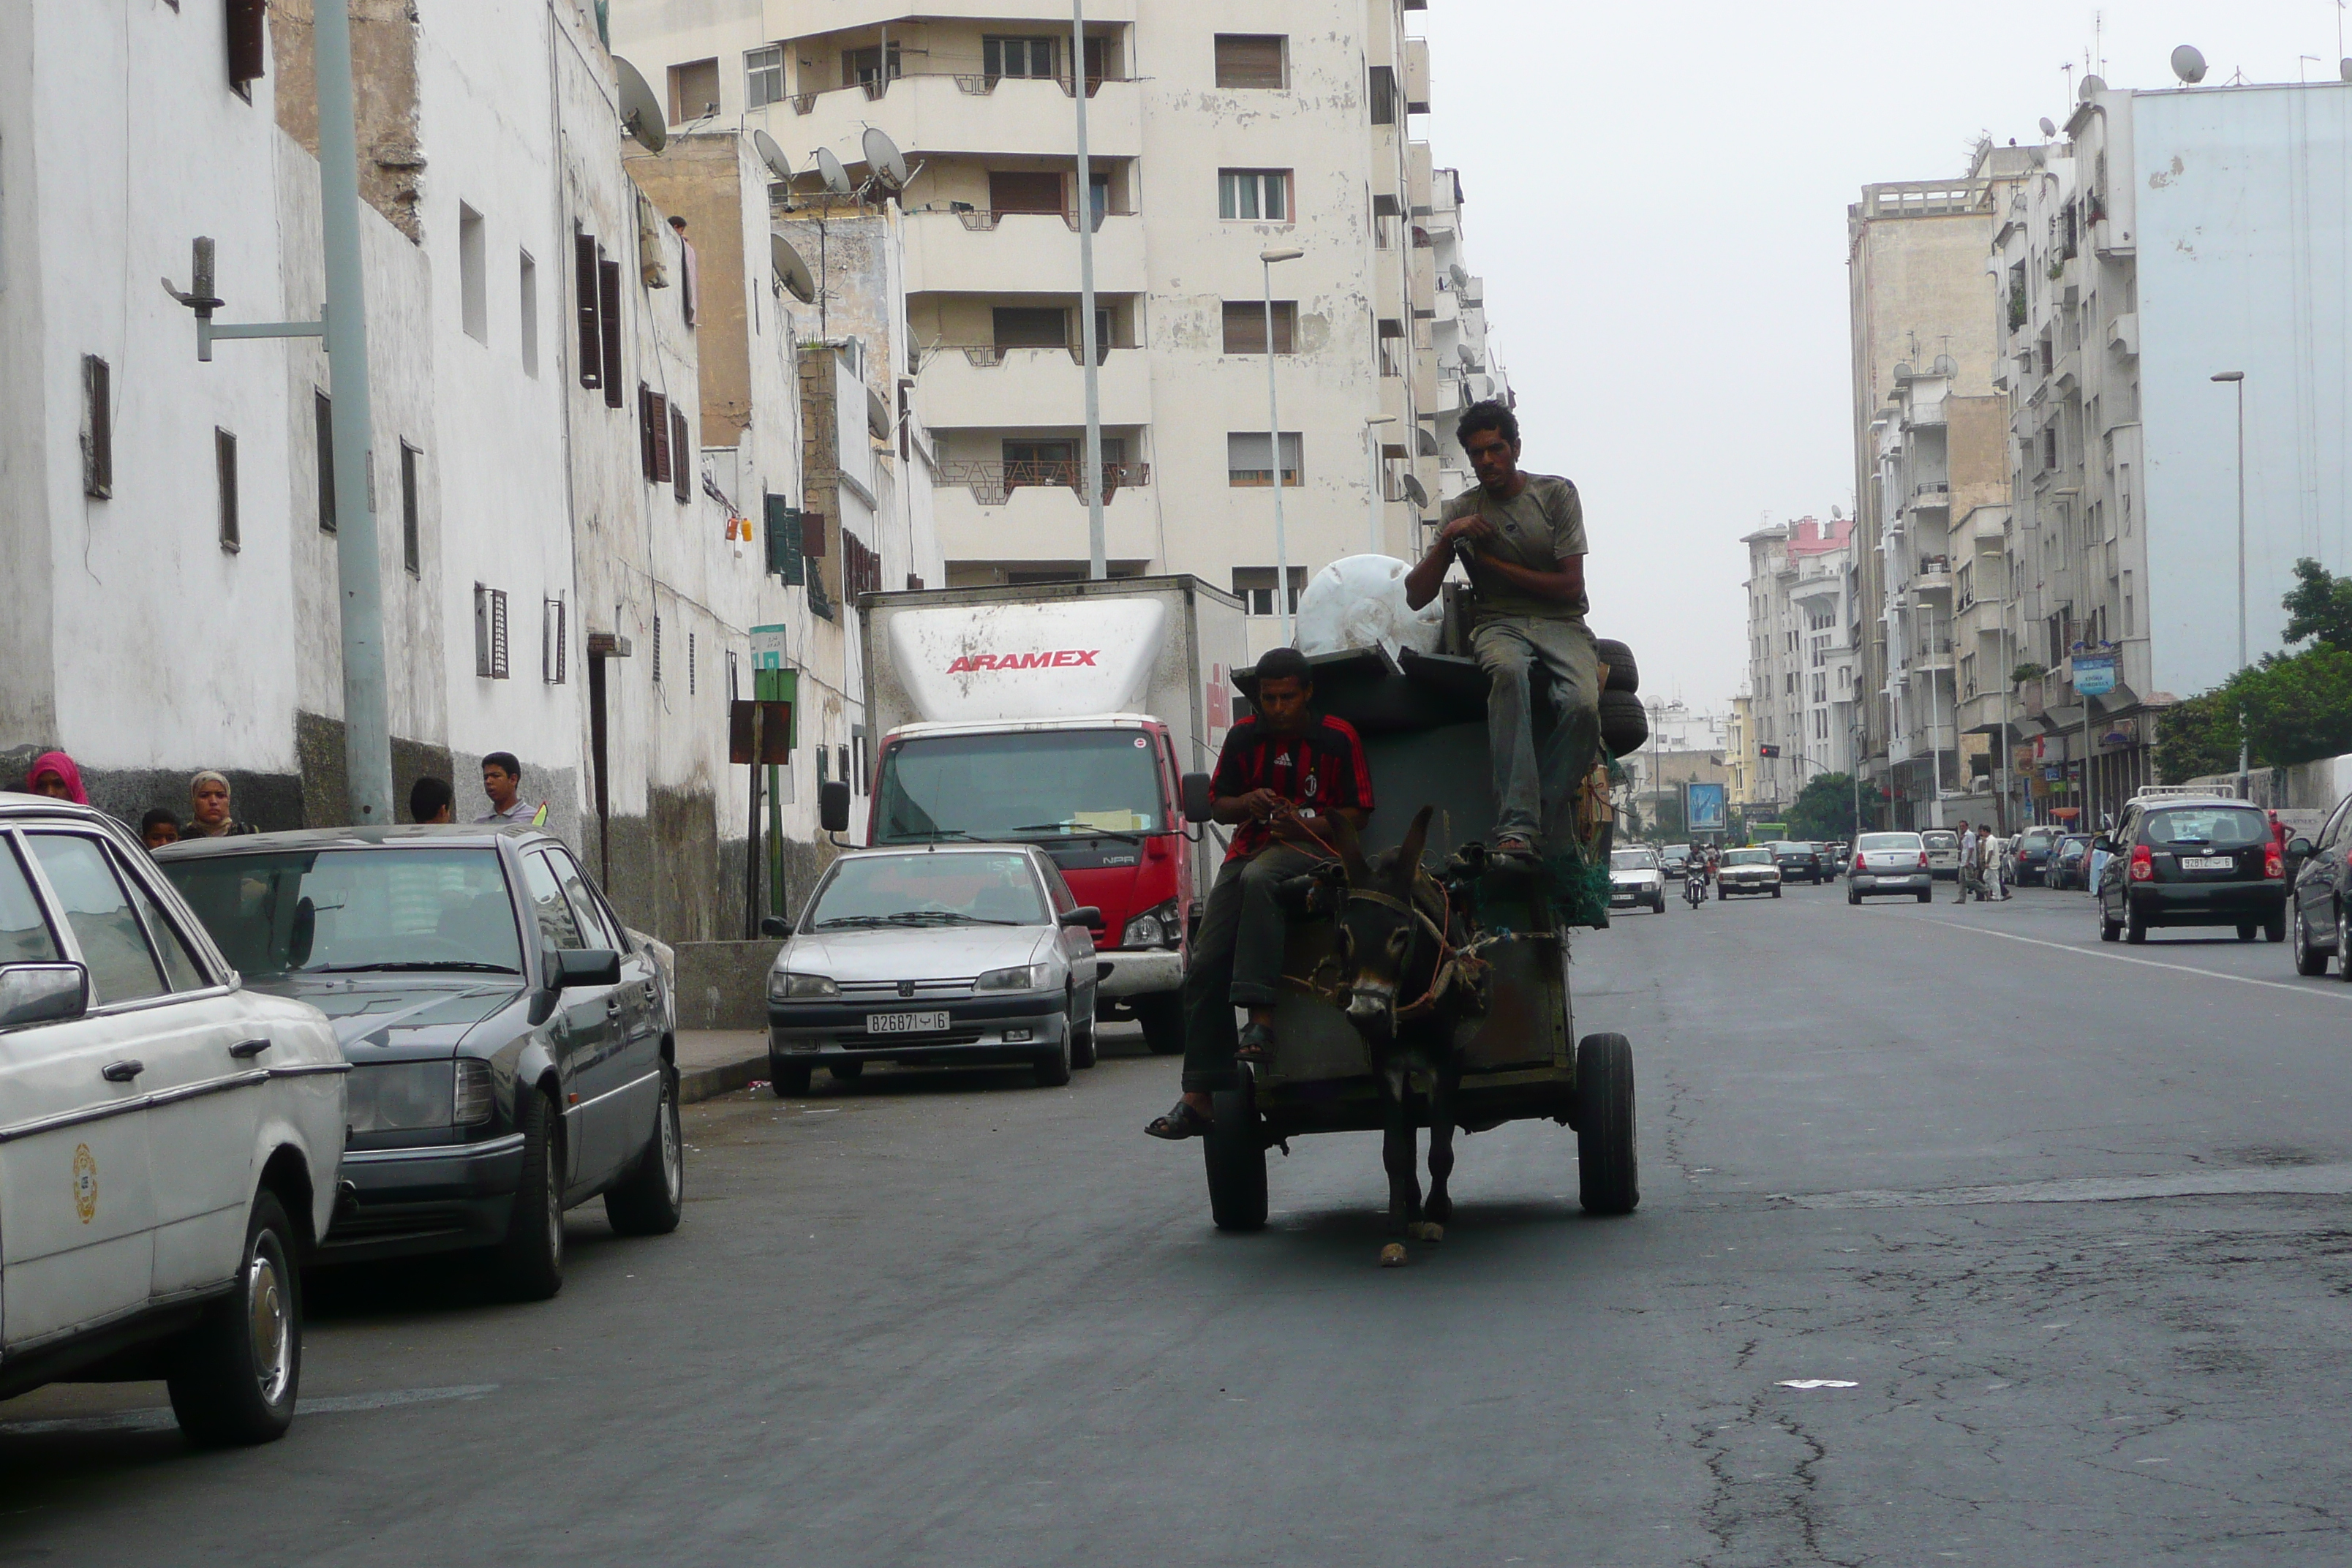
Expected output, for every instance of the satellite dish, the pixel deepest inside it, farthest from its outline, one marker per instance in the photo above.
(641, 111)
(2187, 64)
(791, 271)
(837, 178)
(1902, 371)
(2092, 84)
(1459, 273)
(882, 156)
(773, 155)
(1947, 365)
(1413, 492)
(2049, 126)
(1425, 439)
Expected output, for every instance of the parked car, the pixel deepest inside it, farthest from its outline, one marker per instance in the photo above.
(2069, 865)
(2028, 857)
(948, 955)
(1676, 860)
(1748, 871)
(1890, 863)
(511, 1043)
(1943, 846)
(1796, 862)
(168, 1137)
(2180, 861)
(1637, 878)
(2320, 906)
(1835, 854)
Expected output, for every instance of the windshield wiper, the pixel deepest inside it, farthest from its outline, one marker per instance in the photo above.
(947, 917)
(1074, 827)
(863, 921)
(416, 964)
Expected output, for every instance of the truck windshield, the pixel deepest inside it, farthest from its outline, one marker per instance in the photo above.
(1029, 784)
(277, 914)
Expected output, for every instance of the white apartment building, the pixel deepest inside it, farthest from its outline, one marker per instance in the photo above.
(1217, 131)
(1468, 369)
(1803, 697)
(2169, 237)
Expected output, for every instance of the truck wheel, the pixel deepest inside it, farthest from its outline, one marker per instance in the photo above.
(1162, 1018)
(1608, 1174)
(234, 1376)
(651, 1199)
(1235, 1158)
(1618, 672)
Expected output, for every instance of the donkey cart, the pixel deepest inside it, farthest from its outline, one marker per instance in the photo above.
(1511, 1055)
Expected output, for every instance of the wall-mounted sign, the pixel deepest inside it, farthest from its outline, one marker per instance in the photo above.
(2095, 674)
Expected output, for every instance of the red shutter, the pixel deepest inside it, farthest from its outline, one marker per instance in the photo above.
(812, 535)
(592, 332)
(646, 432)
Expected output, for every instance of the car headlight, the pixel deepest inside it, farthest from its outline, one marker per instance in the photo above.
(1020, 977)
(786, 986)
(1153, 928)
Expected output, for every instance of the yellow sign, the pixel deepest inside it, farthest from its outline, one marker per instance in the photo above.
(85, 1183)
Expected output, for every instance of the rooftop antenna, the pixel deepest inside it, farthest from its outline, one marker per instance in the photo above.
(641, 111)
(791, 271)
(836, 178)
(883, 159)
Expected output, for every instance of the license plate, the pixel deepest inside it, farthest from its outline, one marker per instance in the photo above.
(905, 1023)
(2207, 862)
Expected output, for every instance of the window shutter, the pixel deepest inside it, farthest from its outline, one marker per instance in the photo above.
(554, 645)
(658, 422)
(784, 524)
(591, 331)
(681, 456)
(812, 535)
(1247, 59)
(248, 41)
(224, 464)
(646, 432)
(608, 312)
(97, 427)
(498, 665)
(481, 630)
(322, 416)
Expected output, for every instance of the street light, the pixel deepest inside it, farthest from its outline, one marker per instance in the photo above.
(1266, 259)
(1372, 439)
(2237, 379)
(1097, 566)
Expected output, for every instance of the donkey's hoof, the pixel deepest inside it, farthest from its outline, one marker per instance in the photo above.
(1393, 1254)
(1429, 1230)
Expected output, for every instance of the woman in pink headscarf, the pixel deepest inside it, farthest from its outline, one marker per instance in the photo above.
(53, 774)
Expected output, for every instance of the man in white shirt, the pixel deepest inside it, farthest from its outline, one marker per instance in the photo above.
(1968, 878)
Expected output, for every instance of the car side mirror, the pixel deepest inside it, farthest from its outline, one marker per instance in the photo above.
(42, 993)
(1198, 798)
(571, 966)
(1084, 915)
(2298, 847)
(833, 806)
(775, 925)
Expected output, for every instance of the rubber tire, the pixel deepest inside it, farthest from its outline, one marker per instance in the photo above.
(1927, 897)
(788, 1082)
(2246, 931)
(2135, 925)
(1233, 1156)
(1625, 723)
(214, 1380)
(1053, 1072)
(846, 1072)
(1084, 1052)
(530, 1261)
(2110, 929)
(1658, 904)
(651, 1199)
(2274, 928)
(1609, 1176)
(1852, 898)
(1162, 1018)
(2343, 963)
(1618, 672)
(1776, 892)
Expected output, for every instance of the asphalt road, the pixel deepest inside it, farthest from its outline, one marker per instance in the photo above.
(2069, 1220)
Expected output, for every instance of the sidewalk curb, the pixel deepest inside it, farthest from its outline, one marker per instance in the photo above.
(725, 1077)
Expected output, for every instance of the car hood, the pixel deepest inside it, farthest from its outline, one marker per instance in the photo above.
(408, 1019)
(937, 953)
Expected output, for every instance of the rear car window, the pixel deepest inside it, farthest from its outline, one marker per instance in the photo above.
(1885, 841)
(2219, 826)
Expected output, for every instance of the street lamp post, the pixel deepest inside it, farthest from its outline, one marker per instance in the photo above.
(1097, 566)
(2237, 379)
(1372, 440)
(1266, 259)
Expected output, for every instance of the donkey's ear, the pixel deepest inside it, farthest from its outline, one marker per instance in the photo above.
(1351, 850)
(1408, 860)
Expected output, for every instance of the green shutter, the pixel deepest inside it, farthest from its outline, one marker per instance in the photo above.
(783, 525)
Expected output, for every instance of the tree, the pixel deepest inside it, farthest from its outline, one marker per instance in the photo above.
(2198, 737)
(2319, 606)
(1824, 807)
(2298, 708)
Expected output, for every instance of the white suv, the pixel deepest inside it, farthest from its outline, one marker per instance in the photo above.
(169, 1141)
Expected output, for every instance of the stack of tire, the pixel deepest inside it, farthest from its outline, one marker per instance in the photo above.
(1624, 723)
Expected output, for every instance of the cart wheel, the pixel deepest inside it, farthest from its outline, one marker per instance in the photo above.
(1609, 1174)
(1235, 1158)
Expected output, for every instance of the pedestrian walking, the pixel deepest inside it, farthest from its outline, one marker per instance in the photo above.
(431, 800)
(502, 782)
(1968, 878)
(1995, 862)
(209, 815)
(158, 828)
(53, 774)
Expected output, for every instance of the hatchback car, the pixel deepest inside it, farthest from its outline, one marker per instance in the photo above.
(1676, 859)
(2176, 861)
(1750, 870)
(511, 1043)
(953, 954)
(2029, 858)
(2069, 865)
(2319, 909)
(1943, 846)
(168, 1137)
(1637, 878)
(1797, 862)
(1887, 863)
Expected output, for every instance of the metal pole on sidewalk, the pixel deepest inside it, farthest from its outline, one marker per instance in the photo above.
(367, 717)
(1097, 566)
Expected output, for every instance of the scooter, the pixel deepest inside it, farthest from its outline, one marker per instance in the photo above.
(1695, 887)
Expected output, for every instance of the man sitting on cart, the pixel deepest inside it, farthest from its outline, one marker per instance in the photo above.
(1521, 538)
(1281, 778)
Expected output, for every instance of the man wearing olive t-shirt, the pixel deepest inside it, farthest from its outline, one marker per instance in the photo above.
(1520, 536)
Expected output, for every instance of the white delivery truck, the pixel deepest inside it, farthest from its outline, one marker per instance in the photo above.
(1066, 714)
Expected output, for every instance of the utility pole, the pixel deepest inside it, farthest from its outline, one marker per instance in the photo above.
(2237, 380)
(1098, 567)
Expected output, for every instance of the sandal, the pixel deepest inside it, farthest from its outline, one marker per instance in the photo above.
(1179, 1124)
(1256, 1045)
(1514, 846)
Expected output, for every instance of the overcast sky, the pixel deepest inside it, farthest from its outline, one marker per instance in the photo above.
(1656, 196)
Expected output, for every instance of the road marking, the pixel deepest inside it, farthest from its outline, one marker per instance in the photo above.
(160, 1419)
(2340, 993)
(2312, 1181)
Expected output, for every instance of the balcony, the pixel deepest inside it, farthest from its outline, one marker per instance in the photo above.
(1041, 523)
(983, 252)
(842, 16)
(981, 386)
(929, 114)
(1934, 576)
(995, 483)
(1933, 496)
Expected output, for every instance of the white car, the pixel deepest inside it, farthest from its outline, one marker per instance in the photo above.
(169, 1141)
(1637, 877)
(1892, 863)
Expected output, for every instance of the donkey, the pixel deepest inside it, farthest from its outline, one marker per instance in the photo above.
(1405, 983)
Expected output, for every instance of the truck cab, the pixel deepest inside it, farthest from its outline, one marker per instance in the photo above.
(1101, 794)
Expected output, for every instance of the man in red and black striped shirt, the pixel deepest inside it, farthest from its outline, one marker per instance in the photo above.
(1281, 778)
